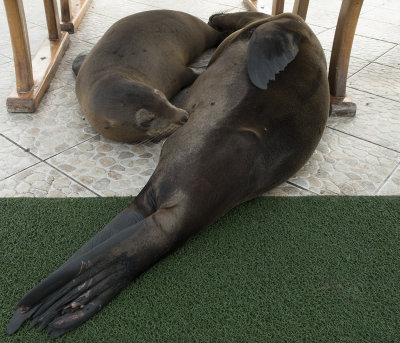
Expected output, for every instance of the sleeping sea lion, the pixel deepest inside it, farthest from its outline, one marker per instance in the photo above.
(256, 115)
(124, 83)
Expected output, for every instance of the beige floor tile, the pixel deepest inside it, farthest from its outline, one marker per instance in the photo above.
(378, 79)
(379, 30)
(365, 48)
(13, 159)
(385, 15)
(64, 71)
(119, 9)
(7, 80)
(110, 168)
(321, 17)
(392, 186)
(355, 64)
(93, 27)
(41, 181)
(57, 124)
(377, 120)
(37, 34)
(389, 4)
(391, 58)
(317, 29)
(34, 12)
(346, 165)
(199, 8)
(4, 59)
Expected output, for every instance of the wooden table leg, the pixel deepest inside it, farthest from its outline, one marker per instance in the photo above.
(300, 8)
(53, 19)
(33, 76)
(340, 57)
(20, 44)
(278, 6)
(72, 12)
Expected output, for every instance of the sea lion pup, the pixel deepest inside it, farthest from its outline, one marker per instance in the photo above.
(256, 115)
(124, 83)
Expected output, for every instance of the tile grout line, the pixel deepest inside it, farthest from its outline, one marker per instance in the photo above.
(374, 61)
(381, 96)
(71, 178)
(69, 148)
(363, 139)
(387, 179)
(303, 188)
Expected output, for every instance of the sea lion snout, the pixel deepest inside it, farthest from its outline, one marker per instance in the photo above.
(184, 119)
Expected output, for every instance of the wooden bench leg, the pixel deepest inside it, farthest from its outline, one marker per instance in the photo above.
(33, 76)
(20, 44)
(278, 7)
(72, 12)
(300, 8)
(341, 105)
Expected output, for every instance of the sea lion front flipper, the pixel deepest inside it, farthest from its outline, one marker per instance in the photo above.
(271, 49)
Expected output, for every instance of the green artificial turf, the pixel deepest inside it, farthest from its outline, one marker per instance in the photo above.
(308, 269)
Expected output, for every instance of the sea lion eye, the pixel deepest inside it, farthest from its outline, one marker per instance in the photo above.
(144, 118)
(146, 123)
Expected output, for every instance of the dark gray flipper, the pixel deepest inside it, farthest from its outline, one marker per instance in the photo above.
(76, 64)
(270, 50)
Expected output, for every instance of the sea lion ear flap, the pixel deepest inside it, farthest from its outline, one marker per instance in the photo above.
(271, 49)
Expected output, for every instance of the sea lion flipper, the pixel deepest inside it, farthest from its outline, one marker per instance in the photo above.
(270, 50)
(76, 64)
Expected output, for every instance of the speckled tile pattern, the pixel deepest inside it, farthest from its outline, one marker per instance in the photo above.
(109, 168)
(13, 159)
(346, 165)
(42, 181)
(55, 153)
(57, 124)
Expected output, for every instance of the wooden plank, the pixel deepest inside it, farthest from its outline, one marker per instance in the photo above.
(341, 48)
(53, 19)
(44, 65)
(66, 14)
(278, 6)
(20, 44)
(300, 8)
(78, 9)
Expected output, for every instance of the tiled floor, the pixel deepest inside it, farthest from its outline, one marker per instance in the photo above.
(55, 153)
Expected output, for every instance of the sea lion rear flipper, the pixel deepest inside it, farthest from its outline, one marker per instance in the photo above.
(76, 64)
(271, 49)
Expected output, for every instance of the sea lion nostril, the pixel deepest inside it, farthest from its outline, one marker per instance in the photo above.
(184, 119)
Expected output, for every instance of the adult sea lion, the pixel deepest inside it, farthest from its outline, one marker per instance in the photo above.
(124, 83)
(256, 115)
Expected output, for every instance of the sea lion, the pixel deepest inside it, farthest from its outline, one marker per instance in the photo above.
(256, 115)
(124, 83)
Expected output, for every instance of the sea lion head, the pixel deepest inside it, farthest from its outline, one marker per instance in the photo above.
(130, 111)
